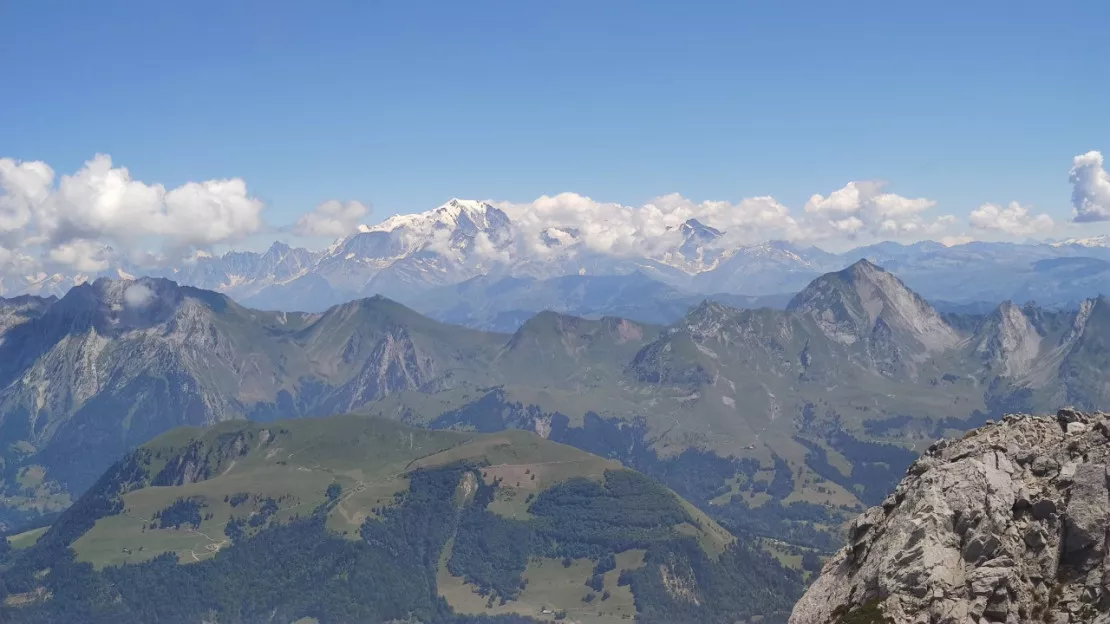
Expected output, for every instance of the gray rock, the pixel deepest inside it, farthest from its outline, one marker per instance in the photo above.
(1035, 538)
(1067, 473)
(1103, 427)
(1044, 509)
(989, 528)
(1045, 466)
(1088, 509)
(1077, 428)
(1068, 415)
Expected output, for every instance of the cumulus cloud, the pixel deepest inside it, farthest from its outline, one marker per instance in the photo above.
(862, 208)
(13, 261)
(1090, 194)
(100, 213)
(90, 219)
(490, 251)
(604, 227)
(749, 220)
(332, 219)
(552, 222)
(82, 255)
(101, 201)
(858, 212)
(137, 296)
(1015, 220)
(956, 239)
(26, 186)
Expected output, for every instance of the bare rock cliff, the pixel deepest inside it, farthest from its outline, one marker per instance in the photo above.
(1008, 524)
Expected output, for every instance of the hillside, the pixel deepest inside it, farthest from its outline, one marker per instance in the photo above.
(1007, 524)
(781, 424)
(115, 363)
(355, 518)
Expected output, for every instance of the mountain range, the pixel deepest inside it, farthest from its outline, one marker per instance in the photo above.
(408, 257)
(776, 422)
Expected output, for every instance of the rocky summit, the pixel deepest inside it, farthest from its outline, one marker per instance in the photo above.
(1007, 524)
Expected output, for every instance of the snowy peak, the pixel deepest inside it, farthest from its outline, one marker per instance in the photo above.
(1093, 241)
(774, 253)
(462, 214)
(450, 233)
(410, 253)
(283, 262)
(468, 212)
(852, 304)
(693, 229)
(692, 247)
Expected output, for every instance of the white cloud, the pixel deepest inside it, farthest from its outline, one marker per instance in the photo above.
(862, 209)
(99, 213)
(487, 249)
(1090, 195)
(1014, 220)
(858, 212)
(333, 219)
(103, 202)
(88, 220)
(26, 186)
(15, 262)
(201, 214)
(956, 239)
(625, 230)
(81, 255)
(604, 227)
(750, 220)
(137, 295)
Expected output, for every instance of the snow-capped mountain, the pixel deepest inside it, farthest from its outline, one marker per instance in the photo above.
(700, 248)
(407, 255)
(1093, 241)
(457, 241)
(771, 267)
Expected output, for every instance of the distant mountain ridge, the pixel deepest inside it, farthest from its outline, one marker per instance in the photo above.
(407, 255)
(747, 412)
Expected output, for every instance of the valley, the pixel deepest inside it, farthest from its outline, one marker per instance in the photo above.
(775, 426)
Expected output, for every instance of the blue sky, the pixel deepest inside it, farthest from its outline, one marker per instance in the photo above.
(405, 104)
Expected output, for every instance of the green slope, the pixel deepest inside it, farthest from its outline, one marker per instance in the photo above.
(497, 524)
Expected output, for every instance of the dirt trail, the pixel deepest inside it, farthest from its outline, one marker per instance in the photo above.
(210, 549)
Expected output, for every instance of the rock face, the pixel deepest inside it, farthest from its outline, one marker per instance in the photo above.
(1008, 524)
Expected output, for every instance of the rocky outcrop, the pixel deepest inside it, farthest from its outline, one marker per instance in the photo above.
(1007, 524)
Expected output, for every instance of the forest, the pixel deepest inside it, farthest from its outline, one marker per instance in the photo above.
(299, 569)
